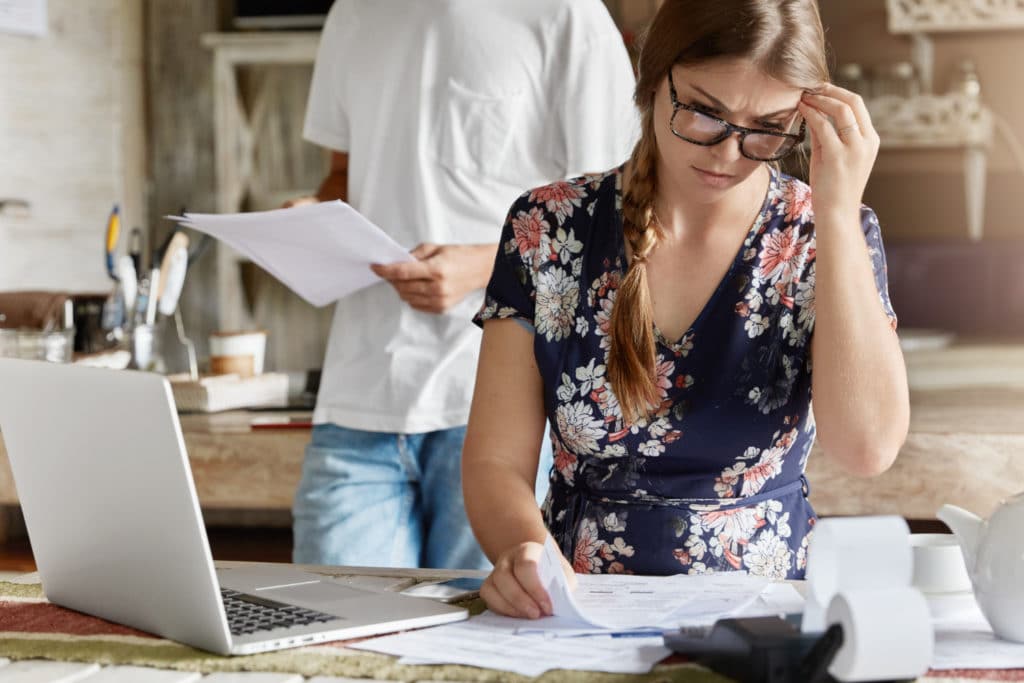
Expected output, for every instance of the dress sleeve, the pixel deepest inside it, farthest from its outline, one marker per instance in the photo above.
(876, 251)
(511, 291)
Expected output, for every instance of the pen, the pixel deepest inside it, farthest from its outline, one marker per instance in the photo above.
(135, 249)
(178, 241)
(130, 284)
(151, 301)
(113, 232)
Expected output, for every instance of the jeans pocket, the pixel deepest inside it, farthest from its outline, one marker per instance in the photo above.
(337, 455)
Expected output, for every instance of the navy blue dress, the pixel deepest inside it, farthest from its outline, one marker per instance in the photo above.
(714, 479)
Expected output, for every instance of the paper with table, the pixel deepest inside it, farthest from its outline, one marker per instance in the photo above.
(321, 251)
(964, 639)
(610, 623)
(623, 602)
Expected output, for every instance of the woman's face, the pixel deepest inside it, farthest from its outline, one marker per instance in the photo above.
(735, 91)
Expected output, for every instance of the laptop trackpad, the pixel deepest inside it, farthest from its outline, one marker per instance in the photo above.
(312, 594)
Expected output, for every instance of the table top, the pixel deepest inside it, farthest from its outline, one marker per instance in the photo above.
(52, 670)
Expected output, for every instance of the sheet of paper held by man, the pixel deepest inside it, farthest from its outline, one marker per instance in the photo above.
(321, 251)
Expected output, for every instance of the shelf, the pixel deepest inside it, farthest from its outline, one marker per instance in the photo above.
(931, 121)
(237, 122)
(936, 16)
(952, 121)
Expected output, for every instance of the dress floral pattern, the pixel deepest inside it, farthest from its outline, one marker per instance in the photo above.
(713, 479)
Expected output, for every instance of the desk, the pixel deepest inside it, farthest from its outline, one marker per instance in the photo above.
(310, 664)
(966, 445)
(303, 665)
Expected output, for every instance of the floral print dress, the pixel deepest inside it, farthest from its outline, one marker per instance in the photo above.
(713, 481)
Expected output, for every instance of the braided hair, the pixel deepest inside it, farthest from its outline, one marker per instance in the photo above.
(785, 40)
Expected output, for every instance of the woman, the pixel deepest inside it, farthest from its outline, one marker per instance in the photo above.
(666, 317)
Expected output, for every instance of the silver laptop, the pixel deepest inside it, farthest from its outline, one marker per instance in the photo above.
(112, 514)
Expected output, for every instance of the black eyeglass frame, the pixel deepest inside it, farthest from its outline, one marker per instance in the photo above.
(728, 129)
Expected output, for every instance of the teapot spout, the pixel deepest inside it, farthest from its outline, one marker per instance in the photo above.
(967, 527)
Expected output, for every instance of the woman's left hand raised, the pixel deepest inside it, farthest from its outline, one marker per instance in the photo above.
(844, 145)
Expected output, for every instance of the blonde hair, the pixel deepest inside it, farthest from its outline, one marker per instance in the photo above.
(785, 40)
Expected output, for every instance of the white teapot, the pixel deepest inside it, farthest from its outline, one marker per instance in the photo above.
(994, 552)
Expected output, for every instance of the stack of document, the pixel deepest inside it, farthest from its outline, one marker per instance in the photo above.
(610, 623)
(322, 251)
(228, 392)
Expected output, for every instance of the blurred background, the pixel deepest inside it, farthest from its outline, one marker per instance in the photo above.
(162, 106)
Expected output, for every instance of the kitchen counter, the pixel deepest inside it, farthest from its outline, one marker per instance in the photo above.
(966, 440)
(966, 445)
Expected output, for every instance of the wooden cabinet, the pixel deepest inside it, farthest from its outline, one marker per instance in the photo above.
(260, 84)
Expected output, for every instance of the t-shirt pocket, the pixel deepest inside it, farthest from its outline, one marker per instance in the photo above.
(473, 131)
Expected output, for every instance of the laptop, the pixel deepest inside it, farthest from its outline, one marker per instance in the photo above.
(100, 466)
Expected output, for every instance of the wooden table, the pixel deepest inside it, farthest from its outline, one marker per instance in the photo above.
(966, 446)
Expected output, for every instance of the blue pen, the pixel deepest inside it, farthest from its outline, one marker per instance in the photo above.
(113, 232)
(638, 634)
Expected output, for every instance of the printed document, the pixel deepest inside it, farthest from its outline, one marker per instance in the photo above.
(322, 251)
(964, 639)
(623, 602)
(478, 643)
(610, 623)
(27, 17)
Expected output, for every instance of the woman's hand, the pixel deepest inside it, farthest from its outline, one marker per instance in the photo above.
(514, 588)
(844, 146)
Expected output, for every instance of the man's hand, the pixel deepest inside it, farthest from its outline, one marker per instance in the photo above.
(442, 275)
(300, 201)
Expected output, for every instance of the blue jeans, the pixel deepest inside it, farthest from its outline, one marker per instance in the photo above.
(386, 500)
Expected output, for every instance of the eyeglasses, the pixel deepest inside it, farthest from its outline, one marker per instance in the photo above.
(693, 124)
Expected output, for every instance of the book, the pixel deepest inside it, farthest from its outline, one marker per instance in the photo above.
(229, 392)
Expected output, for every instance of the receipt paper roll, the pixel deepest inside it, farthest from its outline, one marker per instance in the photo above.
(850, 553)
(887, 634)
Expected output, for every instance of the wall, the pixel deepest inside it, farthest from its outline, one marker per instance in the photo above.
(72, 134)
(919, 194)
(937, 278)
(179, 98)
(180, 93)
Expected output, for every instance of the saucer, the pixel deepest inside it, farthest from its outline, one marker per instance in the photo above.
(951, 605)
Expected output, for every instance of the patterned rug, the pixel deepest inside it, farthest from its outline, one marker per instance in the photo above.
(32, 628)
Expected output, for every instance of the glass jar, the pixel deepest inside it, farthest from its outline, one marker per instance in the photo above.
(54, 346)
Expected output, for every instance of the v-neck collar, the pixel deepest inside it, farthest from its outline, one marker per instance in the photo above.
(679, 346)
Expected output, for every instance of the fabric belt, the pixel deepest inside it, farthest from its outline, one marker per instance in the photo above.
(580, 495)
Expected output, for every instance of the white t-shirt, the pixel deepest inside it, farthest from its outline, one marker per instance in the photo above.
(449, 110)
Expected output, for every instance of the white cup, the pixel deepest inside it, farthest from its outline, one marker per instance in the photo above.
(939, 565)
(246, 343)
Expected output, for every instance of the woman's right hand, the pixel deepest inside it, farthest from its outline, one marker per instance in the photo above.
(514, 588)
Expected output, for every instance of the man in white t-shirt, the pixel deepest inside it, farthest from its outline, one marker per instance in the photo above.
(439, 113)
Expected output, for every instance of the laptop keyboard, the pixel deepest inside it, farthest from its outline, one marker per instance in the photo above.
(250, 614)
